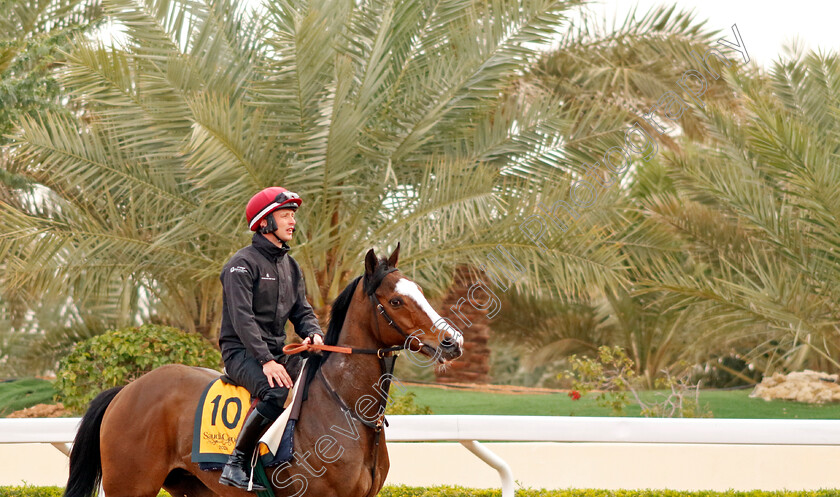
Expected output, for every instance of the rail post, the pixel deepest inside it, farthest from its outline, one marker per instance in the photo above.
(496, 462)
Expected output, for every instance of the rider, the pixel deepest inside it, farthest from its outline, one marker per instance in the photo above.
(262, 288)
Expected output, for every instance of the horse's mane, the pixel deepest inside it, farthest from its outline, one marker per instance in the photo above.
(342, 302)
(339, 312)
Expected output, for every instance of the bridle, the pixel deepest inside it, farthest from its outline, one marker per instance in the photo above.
(387, 360)
(381, 353)
(297, 348)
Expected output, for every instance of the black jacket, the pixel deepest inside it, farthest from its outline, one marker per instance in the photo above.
(263, 287)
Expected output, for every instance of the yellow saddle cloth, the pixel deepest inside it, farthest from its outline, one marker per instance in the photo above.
(219, 417)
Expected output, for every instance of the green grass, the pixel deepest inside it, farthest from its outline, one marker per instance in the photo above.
(723, 404)
(20, 394)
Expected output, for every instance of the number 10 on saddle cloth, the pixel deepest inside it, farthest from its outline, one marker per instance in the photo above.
(219, 417)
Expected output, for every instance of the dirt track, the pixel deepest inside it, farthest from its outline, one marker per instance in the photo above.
(42, 411)
(472, 387)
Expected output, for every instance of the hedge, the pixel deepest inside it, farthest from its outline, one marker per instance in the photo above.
(29, 491)
(404, 491)
(32, 491)
(119, 356)
(446, 491)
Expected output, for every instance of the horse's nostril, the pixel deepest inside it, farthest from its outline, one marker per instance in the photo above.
(450, 349)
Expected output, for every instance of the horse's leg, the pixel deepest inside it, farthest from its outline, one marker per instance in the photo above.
(181, 483)
(140, 432)
(342, 470)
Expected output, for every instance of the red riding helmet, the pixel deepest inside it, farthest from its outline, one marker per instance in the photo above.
(267, 201)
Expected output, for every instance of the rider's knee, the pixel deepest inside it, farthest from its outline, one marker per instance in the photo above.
(271, 403)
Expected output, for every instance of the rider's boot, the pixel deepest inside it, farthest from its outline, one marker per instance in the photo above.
(237, 470)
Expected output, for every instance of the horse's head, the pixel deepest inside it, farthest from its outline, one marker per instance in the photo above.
(415, 323)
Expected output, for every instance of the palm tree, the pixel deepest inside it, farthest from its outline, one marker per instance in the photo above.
(624, 68)
(397, 121)
(33, 36)
(621, 70)
(757, 214)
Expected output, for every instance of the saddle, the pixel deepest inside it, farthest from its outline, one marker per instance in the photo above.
(221, 412)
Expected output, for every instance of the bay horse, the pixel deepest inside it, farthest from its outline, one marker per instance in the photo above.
(138, 439)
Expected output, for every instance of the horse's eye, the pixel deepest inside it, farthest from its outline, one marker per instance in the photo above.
(395, 302)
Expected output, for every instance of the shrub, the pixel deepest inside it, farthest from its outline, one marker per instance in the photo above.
(30, 491)
(446, 491)
(117, 357)
(612, 376)
(33, 491)
(405, 404)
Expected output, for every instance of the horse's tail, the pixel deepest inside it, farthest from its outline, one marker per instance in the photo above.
(85, 460)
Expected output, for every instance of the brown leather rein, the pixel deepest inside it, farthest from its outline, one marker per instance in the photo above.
(297, 348)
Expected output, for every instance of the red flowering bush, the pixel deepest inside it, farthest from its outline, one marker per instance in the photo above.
(612, 375)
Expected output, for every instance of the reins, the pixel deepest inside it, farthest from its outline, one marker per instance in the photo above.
(297, 348)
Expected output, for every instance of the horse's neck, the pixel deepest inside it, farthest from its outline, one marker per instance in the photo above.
(355, 375)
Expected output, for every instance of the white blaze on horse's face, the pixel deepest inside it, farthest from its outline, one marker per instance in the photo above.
(411, 290)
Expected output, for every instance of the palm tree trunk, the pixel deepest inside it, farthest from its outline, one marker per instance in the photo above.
(474, 365)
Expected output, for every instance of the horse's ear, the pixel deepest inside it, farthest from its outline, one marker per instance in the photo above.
(392, 260)
(370, 262)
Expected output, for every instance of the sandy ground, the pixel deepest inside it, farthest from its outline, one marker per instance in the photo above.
(549, 465)
(473, 387)
(535, 465)
(41, 411)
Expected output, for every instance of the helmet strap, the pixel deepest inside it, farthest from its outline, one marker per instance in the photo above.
(271, 228)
